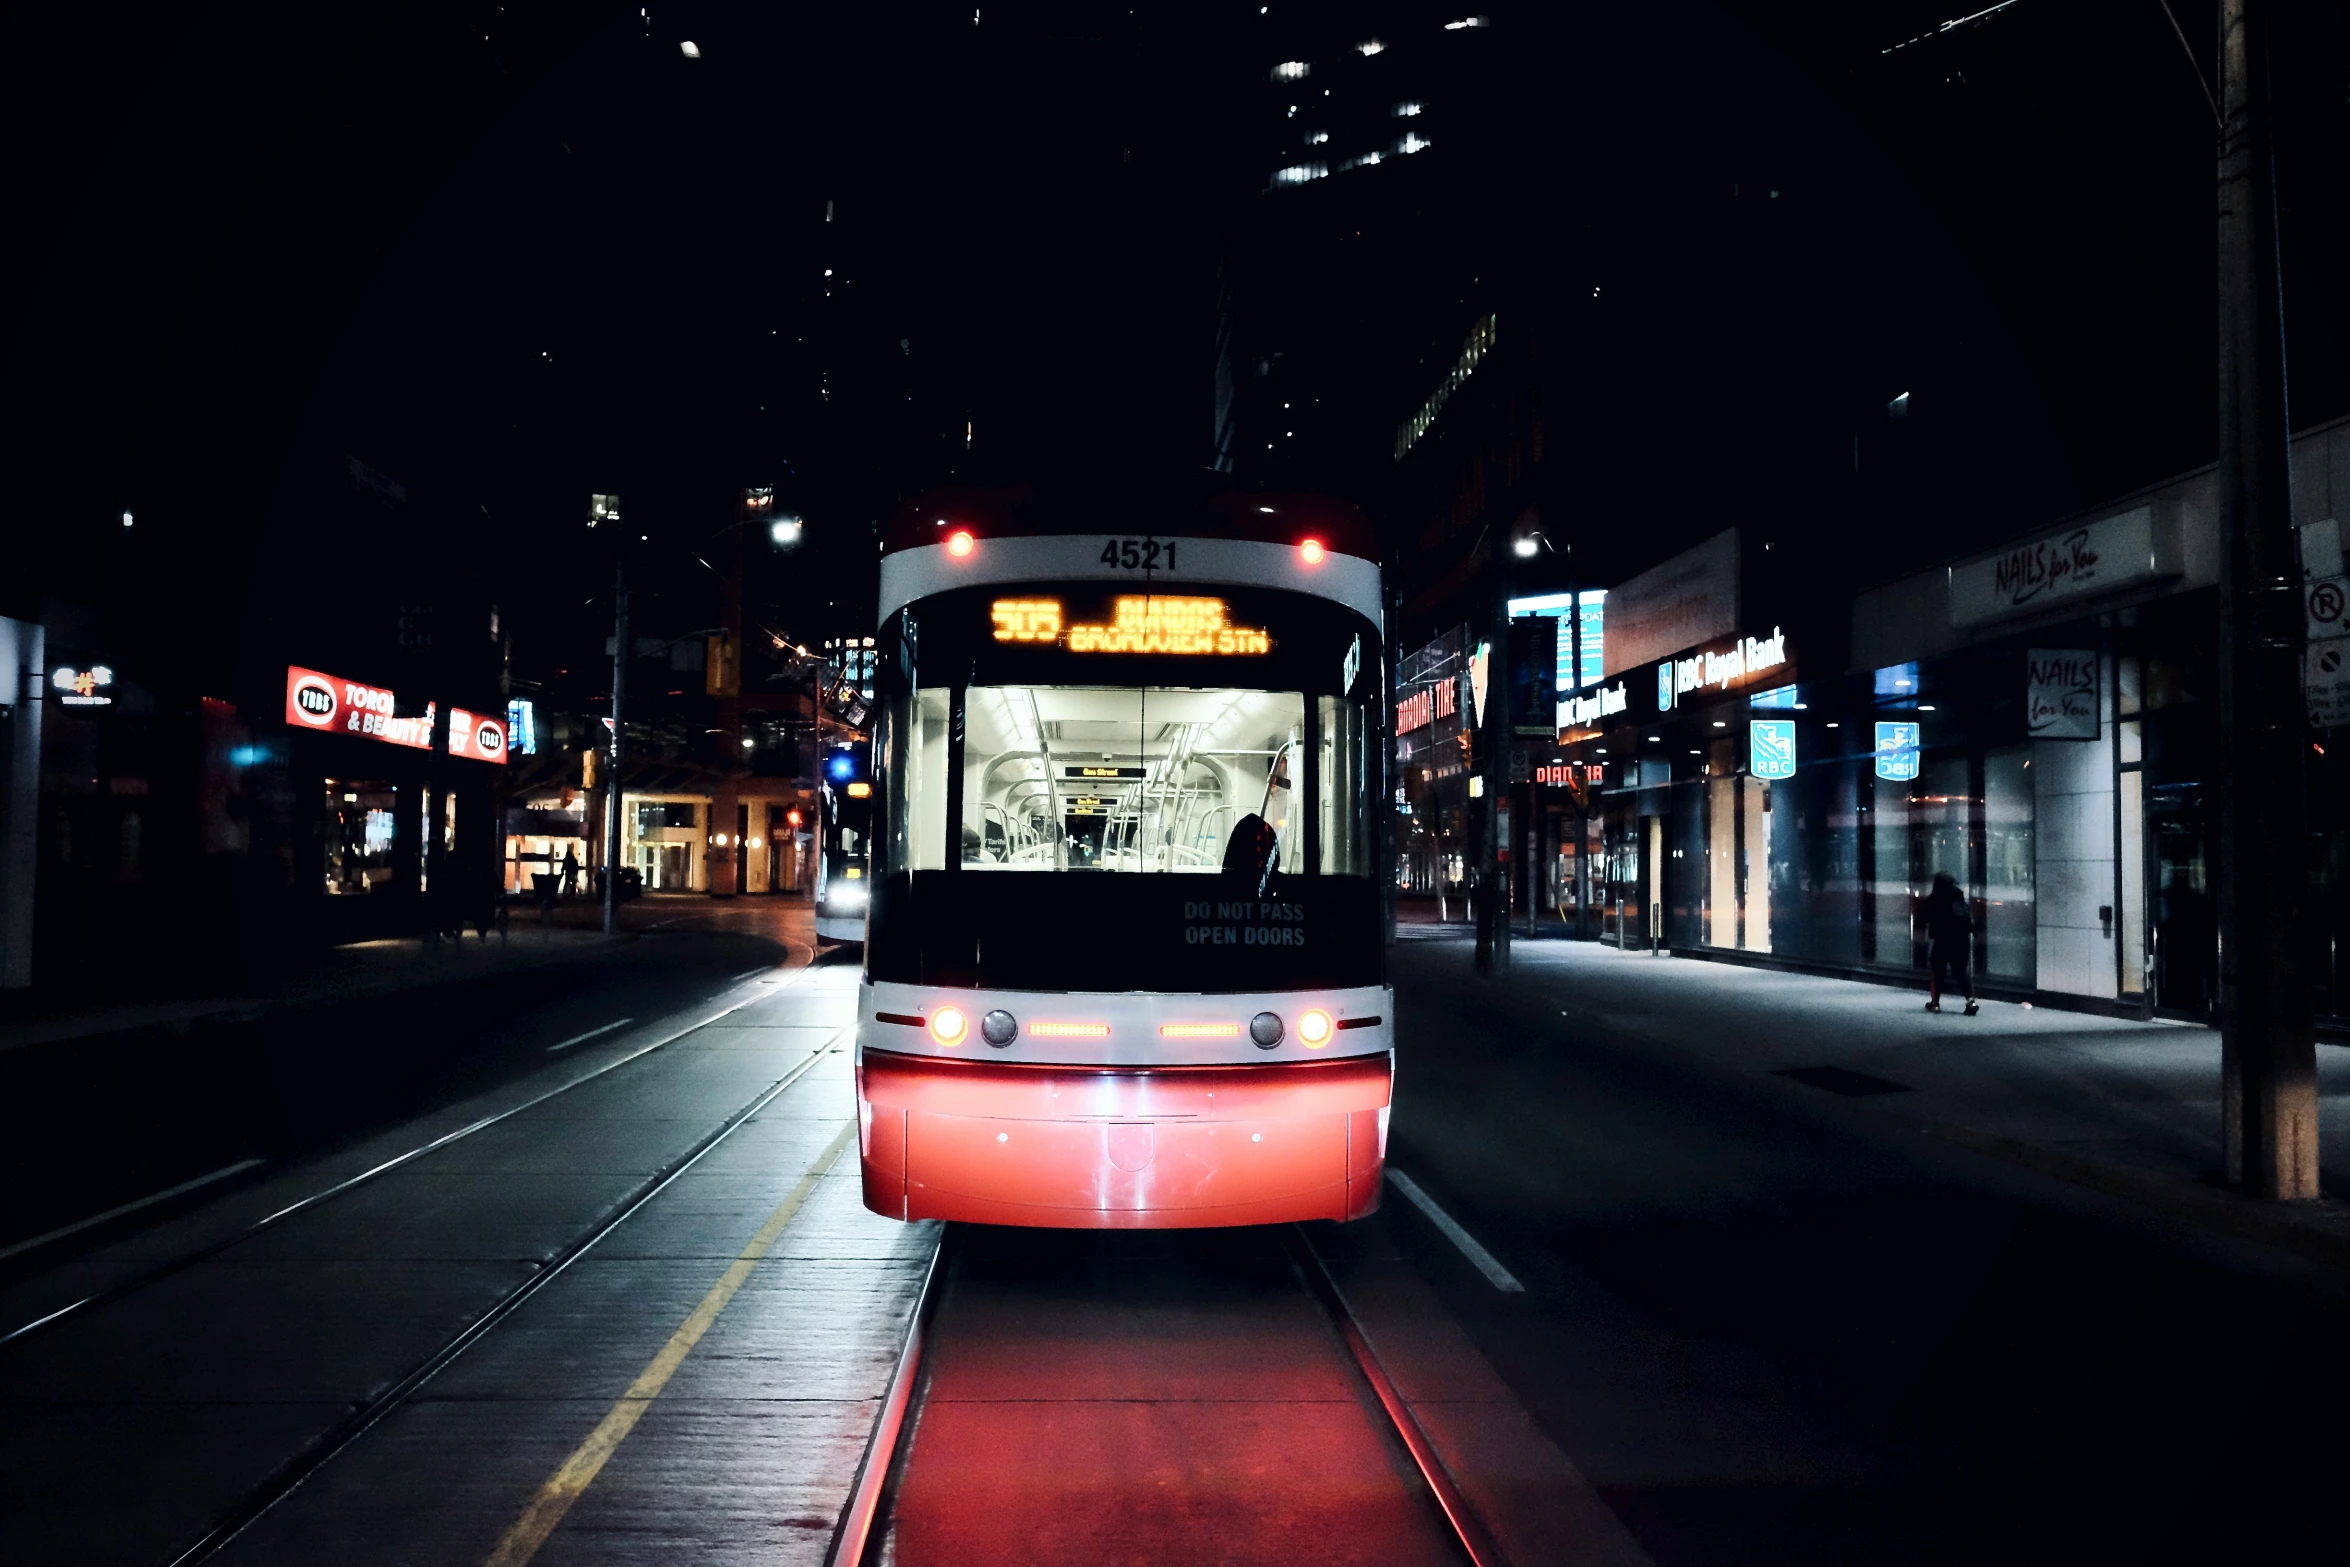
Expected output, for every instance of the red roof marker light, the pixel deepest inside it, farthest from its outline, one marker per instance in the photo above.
(1310, 552)
(959, 542)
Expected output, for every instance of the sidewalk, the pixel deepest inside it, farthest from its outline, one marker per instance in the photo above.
(2130, 1108)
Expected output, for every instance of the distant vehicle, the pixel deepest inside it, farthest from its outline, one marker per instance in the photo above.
(632, 882)
(1123, 959)
(844, 815)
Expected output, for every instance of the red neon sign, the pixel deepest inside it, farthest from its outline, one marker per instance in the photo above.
(1428, 704)
(333, 705)
(345, 707)
(477, 735)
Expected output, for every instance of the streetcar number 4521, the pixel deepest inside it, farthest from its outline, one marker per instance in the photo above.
(1139, 554)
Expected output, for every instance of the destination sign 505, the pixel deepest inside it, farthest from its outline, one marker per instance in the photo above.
(1139, 623)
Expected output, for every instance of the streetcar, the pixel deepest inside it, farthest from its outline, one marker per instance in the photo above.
(844, 818)
(1123, 961)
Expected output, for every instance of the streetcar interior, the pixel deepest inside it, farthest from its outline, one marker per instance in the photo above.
(1094, 778)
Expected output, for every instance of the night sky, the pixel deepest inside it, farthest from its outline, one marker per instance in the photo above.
(509, 255)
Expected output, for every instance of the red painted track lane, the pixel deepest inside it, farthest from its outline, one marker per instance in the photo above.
(1149, 1397)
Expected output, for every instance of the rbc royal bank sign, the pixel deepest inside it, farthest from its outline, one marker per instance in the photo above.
(1771, 748)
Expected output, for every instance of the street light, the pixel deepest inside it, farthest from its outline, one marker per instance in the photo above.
(784, 532)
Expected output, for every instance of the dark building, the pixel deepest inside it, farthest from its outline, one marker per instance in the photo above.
(1372, 138)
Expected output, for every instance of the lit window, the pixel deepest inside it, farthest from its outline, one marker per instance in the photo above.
(1291, 70)
(1405, 110)
(1299, 173)
(1313, 139)
(1412, 142)
(1366, 159)
(1466, 22)
(1369, 46)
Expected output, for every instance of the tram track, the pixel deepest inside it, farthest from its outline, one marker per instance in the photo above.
(325, 1447)
(862, 1535)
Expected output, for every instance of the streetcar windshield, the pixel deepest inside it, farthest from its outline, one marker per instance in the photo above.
(1152, 791)
(845, 819)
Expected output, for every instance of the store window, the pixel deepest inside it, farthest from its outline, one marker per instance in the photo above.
(1721, 861)
(2130, 804)
(362, 823)
(1891, 928)
(1754, 864)
(665, 843)
(2010, 939)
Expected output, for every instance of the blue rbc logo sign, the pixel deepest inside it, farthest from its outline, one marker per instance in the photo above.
(1664, 686)
(1897, 751)
(1771, 747)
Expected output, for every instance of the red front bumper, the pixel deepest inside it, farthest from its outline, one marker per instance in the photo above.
(1122, 1147)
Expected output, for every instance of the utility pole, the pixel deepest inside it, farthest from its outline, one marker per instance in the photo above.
(729, 869)
(2268, 1066)
(612, 783)
(620, 652)
(442, 909)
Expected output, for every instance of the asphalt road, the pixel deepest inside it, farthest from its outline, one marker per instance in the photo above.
(1771, 1325)
(194, 1364)
(95, 1122)
(1759, 1321)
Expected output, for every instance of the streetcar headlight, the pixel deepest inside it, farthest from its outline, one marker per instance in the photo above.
(1265, 1028)
(1313, 1030)
(999, 1028)
(948, 1025)
(845, 897)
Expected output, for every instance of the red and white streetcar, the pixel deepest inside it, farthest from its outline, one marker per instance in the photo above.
(1123, 961)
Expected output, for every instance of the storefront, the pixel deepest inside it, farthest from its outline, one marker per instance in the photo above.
(393, 832)
(673, 837)
(1683, 824)
(549, 835)
(1434, 738)
(2039, 723)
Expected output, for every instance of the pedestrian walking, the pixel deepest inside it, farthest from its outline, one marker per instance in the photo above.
(1950, 944)
(570, 881)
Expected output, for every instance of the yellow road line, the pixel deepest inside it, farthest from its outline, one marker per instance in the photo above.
(579, 1471)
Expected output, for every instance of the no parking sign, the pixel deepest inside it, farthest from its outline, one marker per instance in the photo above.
(2326, 603)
